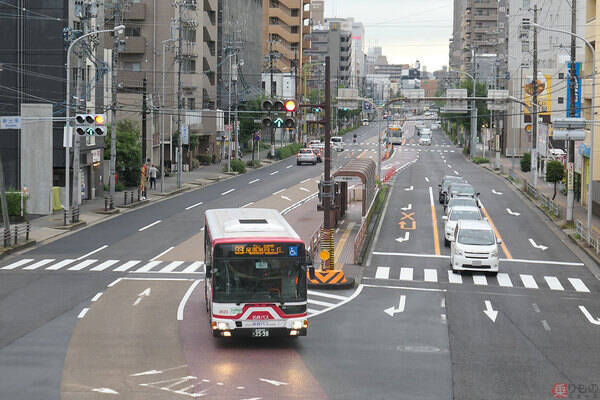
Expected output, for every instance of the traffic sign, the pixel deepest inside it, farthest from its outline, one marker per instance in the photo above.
(278, 122)
(324, 255)
(185, 134)
(257, 138)
(10, 122)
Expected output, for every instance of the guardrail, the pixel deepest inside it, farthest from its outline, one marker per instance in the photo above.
(581, 231)
(359, 241)
(513, 175)
(315, 242)
(531, 190)
(16, 233)
(549, 204)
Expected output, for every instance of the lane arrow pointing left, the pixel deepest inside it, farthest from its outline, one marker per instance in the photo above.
(395, 310)
(403, 239)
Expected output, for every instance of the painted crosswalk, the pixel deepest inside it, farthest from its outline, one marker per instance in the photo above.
(320, 302)
(96, 265)
(503, 279)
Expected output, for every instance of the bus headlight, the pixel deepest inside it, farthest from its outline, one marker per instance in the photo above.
(294, 333)
(297, 325)
(223, 326)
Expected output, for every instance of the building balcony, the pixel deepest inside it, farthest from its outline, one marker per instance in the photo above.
(190, 81)
(284, 32)
(493, 17)
(189, 49)
(135, 12)
(210, 5)
(130, 79)
(306, 30)
(134, 45)
(209, 49)
(484, 4)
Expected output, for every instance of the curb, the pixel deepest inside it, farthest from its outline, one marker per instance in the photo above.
(134, 204)
(70, 227)
(171, 193)
(107, 212)
(14, 249)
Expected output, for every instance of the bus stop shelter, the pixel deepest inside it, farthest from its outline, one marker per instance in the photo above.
(357, 172)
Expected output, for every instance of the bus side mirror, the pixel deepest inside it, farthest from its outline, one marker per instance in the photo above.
(311, 272)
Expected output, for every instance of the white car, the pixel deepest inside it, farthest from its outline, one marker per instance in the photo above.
(425, 140)
(462, 201)
(307, 156)
(455, 214)
(475, 247)
(337, 143)
(314, 142)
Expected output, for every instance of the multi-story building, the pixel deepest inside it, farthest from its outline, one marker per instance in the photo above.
(584, 150)
(357, 69)
(456, 41)
(151, 32)
(317, 12)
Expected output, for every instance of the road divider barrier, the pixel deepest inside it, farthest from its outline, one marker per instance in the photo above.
(331, 279)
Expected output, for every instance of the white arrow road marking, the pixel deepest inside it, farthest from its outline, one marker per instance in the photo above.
(403, 239)
(286, 198)
(272, 382)
(516, 214)
(489, 311)
(393, 310)
(587, 314)
(143, 294)
(105, 390)
(408, 207)
(537, 246)
(498, 193)
(408, 189)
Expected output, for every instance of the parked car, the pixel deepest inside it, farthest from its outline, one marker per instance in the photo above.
(446, 181)
(475, 247)
(455, 214)
(306, 155)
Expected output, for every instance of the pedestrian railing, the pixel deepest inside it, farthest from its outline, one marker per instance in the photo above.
(71, 216)
(16, 234)
(359, 241)
(314, 243)
(531, 190)
(513, 175)
(581, 231)
(550, 205)
(129, 197)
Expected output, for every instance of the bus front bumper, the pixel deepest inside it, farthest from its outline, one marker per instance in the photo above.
(292, 328)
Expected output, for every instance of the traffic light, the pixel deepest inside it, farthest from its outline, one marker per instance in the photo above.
(290, 105)
(289, 123)
(267, 121)
(90, 124)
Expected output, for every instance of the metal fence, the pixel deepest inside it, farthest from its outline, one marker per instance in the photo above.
(359, 241)
(550, 205)
(315, 242)
(15, 234)
(513, 175)
(582, 232)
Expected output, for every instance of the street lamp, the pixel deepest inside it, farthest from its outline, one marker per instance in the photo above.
(473, 109)
(592, 121)
(119, 29)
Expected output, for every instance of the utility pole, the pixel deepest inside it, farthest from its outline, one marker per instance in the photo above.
(328, 186)
(273, 93)
(151, 141)
(534, 102)
(144, 119)
(179, 98)
(573, 113)
(113, 106)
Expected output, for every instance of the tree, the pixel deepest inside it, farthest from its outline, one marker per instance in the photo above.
(526, 162)
(129, 153)
(555, 172)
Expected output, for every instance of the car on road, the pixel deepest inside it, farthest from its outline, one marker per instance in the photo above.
(425, 139)
(306, 156)
(435, 126)
(460, 189)
(462, 201)
(455, 214)
(365, 122)
(314, 142)
(475, 247)
(446, 181)
(337, 143)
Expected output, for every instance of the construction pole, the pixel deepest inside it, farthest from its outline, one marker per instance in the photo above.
(179, 98)
(572, 113)
(113, 106)
(328, 187)
(534, 102)
(144, 120)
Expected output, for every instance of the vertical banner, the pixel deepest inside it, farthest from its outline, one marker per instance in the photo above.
(577, 90)
(544, 91)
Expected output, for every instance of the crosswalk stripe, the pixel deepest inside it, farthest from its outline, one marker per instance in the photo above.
(127, 265)
(171, 266)
(479, 279)
(453, 277)
(311, 311)
(193, 267)
(382, 273)
(319, 303)
(328, 295)
(82, 265)
(104, 265)
(504, 279)
(148, 266)
(528, 281)
(554, 283)
(430, 275)
(60, 264)
(578, 285)
(406, 274)
(17, 264)
(40, 263)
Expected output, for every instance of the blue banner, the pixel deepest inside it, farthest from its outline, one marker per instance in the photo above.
(577, 90)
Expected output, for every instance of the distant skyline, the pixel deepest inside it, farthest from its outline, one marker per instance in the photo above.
(406, 30)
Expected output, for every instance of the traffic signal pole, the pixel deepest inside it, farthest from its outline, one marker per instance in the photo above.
(328, 216)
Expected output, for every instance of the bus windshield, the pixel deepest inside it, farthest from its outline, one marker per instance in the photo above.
(269, 279)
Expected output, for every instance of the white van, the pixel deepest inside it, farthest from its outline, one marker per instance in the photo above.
(474, 247)
(337, 143)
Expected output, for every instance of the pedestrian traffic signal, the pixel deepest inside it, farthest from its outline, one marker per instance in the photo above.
(90, 124)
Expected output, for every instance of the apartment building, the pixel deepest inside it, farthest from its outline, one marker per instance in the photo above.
(584, 150)
(152, 29)
(358, 67)
(456, 41)
(317, 12)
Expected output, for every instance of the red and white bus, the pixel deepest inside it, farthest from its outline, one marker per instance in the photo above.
(256, 267)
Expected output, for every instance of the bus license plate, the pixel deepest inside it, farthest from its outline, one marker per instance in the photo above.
(260, 332)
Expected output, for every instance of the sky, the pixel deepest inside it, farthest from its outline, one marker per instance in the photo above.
(407, 30)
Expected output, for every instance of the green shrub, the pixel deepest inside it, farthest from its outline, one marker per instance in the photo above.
(287, 151)
(213, 159)
(195, 163)
(253, 163)
(119, 186)
(237, 166)
(204, 159)
(13, 203)
(480, 160)
(467, 151)
(526, 162)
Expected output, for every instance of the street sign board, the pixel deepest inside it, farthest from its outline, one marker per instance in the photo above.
(10, 122)
(497, 99)
(185, 134)
(456, 106)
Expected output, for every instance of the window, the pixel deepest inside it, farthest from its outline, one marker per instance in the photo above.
(132, 66)
(188, 66)
(274, 4)
(295, 12)
(294, 29)
(133, 31)
(191, 103)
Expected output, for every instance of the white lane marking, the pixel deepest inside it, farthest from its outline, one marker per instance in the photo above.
(430, 275)
(319, 303)
(193, 267)
(82, 265)
(449, 166)
(17, 264)
(149, 225)
(306, 180)
(385, 253)
(489, 311)
(536, 308)
(528, 281)
(311, 311)
(408, 189)
(96, 297)
(504, 279)
(289, 166)
(105, 390)
(537, 246)
(341, 303)
(254, 181)
(227, 192)
(515, 260)
(479, 279)
(405, 288)
(304, 189)
(272, 382)
(328, 295)
(113, 283)
(453, 277)
(171, 266)
(578, 285)
(589, 316)
(60, 264)
(498, 193)
(194, 205)
(162, 254)
(279, 191)
(516, 214)
(382, 273)
(545, 325)
(553, 283)
(148, 266)
(184, 300)
(406, 274)
(247, 205)
(274, 172)
(40, 263)
(456, 172)
(427, 179)
(92, 252)
(286, 198)
(104, 265)
(443, 302)
(127, 265)
(83, 312)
